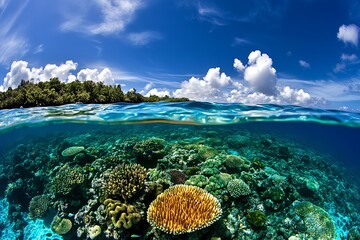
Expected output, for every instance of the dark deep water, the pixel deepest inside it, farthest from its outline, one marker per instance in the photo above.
(286, 159)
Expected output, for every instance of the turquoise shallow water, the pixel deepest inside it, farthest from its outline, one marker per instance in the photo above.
(295, 168)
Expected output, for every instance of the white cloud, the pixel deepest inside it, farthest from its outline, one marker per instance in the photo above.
(143, 38)
(339, 67)
(348, 57)
(260, 85)
(115, 15)
(156, 92)
(39, 49)
(207, 89)
(298, 97)
(13, 44)
(240, 41)
(349, 34)
(211, 14)
(238, 65)
(259, 72)
(286, 95)
(19, 70)
(104, 76)
(304, 64)
(148, 86)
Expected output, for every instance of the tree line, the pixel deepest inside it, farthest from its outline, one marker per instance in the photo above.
(54, 93)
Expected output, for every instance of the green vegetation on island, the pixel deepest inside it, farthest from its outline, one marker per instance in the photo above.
(54, 92)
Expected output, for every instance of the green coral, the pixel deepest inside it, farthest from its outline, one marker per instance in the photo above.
(147, 152)
(237, 188)
(38, 206)
(124, 181)
(61, 225)
(121, 214)
(236, 162)
(66, 180)
(211, 166)
(256, 218)
(318, 223)
(197, 180)
(71, 151)
(275, 193)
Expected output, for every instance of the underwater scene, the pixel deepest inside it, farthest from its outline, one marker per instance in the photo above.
(189, 170)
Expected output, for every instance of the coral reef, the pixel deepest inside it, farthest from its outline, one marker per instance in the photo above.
(318, 223)
(124, 181)
(61, 225)
(94, 231)
(183, 209)
(147, 152)
(66, 180)
(237, 188)
(256, 218)
(121, 214)
(71, 151)
(264, 185)
(38, 206)
(177, 176)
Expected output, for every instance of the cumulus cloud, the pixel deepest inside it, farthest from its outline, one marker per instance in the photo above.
(304, 64)
(259, 72)
(19, 71)
(349, 34)
(259, 85)
(286, 95)
(104, 76)
(207, 89)
(238, 65)
(156, 92)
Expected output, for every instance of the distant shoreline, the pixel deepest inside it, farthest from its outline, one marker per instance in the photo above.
(55, 93)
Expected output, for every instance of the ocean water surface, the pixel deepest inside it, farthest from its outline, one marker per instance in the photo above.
(186, 170)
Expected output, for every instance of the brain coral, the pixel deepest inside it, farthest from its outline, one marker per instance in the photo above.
(237, 188)
(318, 223)
(38, 206)
(124, 181)
(183, 209)
(122, 214)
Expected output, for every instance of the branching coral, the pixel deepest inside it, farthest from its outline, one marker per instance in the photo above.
(183, 209)
(66, 180)
(124, 181)
(38, 206)
(122, 214)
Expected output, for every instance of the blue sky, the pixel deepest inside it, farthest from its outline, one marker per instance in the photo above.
(266, 51)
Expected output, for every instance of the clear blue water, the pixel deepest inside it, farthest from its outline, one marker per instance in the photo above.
(292, 142)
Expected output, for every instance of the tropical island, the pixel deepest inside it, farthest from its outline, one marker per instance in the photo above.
(55, 92)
